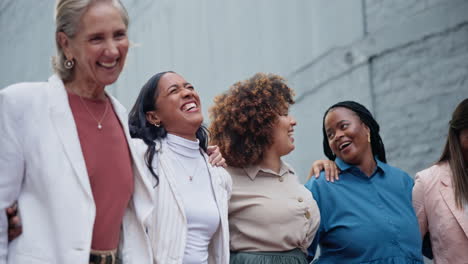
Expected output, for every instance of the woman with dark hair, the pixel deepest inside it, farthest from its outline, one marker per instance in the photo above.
(272, 217)
(189, 222)
(367, 215)
(440, 194)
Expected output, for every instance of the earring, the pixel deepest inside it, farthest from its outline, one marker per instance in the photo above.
(368, 137)
(68, 64)
(157, 124)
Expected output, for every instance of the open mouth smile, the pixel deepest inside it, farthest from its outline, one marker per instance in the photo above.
(107, 65)
(344, 145)
(189, 107)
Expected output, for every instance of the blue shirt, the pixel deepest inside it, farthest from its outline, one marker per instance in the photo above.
(366, 219)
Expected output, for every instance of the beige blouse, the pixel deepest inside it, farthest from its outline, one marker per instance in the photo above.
(270, 211)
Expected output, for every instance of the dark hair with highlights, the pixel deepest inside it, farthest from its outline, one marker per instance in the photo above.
(366, 117)
(453, 153)
(142, 129)
(242, 118)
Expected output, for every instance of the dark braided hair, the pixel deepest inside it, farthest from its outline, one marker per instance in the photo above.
(149, 133)
(366, 117)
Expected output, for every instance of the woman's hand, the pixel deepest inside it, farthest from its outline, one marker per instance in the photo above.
(215, 158)
(14, 223)
(331, 170)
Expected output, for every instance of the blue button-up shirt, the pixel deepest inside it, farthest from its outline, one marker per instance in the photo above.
(366, 219)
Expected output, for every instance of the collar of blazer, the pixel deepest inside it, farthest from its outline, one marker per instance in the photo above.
(446, 190)
(62, 118)
(166, 170)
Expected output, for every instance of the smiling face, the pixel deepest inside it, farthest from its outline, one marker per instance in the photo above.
(178, 107)
(99, 47)
(348, 136)
(283, 131)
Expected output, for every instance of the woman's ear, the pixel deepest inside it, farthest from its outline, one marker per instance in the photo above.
(368, 132)
(367, 129)
(153, 118)
(64, 43)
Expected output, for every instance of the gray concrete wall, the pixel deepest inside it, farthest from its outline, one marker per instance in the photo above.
(212, 43)
(415, 98)
(405, 60)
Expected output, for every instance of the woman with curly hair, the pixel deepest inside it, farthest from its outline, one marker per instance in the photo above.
(272, 217)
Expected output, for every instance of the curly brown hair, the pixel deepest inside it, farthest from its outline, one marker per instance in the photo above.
(243, 117)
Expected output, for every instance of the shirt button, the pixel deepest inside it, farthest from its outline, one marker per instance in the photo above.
(307, 214)
(300, 200)
(281, 179)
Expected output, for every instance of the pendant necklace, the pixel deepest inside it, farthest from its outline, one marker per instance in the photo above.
(190, 176)
(99, 121)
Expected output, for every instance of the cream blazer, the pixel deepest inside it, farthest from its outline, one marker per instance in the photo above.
(434, 203)
(42, 167)
(169, 229)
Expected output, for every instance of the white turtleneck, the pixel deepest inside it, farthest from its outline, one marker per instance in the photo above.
(197, 195)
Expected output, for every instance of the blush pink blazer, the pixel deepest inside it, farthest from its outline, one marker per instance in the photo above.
(434, 203)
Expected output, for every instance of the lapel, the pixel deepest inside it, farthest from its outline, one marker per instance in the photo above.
(167, 173)
(447, 193)
(216, 186)
(146, 204)
(64, 123)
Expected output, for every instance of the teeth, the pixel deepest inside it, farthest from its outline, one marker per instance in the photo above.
(342, 146)
(189, 106)
(108, 64)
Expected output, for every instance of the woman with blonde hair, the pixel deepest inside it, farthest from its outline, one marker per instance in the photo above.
(67, 157)
(440, 194)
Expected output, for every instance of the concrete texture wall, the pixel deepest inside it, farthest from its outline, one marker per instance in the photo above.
(405, 60)
(26, 43)
(213, 44)
(409, 67)
(416, 97)
(381, 13)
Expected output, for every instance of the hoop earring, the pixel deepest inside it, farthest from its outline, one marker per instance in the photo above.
(68, 64)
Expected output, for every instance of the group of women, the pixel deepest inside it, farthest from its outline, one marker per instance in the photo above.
(94, 187)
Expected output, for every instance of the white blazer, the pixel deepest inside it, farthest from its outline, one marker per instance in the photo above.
(169, 230)
(42, 167)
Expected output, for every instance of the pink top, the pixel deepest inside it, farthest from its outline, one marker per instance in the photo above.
(109, 166)
(434, 203)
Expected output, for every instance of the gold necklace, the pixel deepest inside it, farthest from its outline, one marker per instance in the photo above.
(194, 171)
(99, 122)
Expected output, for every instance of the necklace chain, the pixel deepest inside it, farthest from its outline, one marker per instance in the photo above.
(99, 122)
(190, 177)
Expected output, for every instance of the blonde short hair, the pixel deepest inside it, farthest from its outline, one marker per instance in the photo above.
(67, 19)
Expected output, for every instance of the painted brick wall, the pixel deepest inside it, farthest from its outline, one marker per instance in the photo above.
(380, 13)
(416, 89)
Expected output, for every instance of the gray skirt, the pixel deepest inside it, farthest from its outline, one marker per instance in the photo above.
(295, 256)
